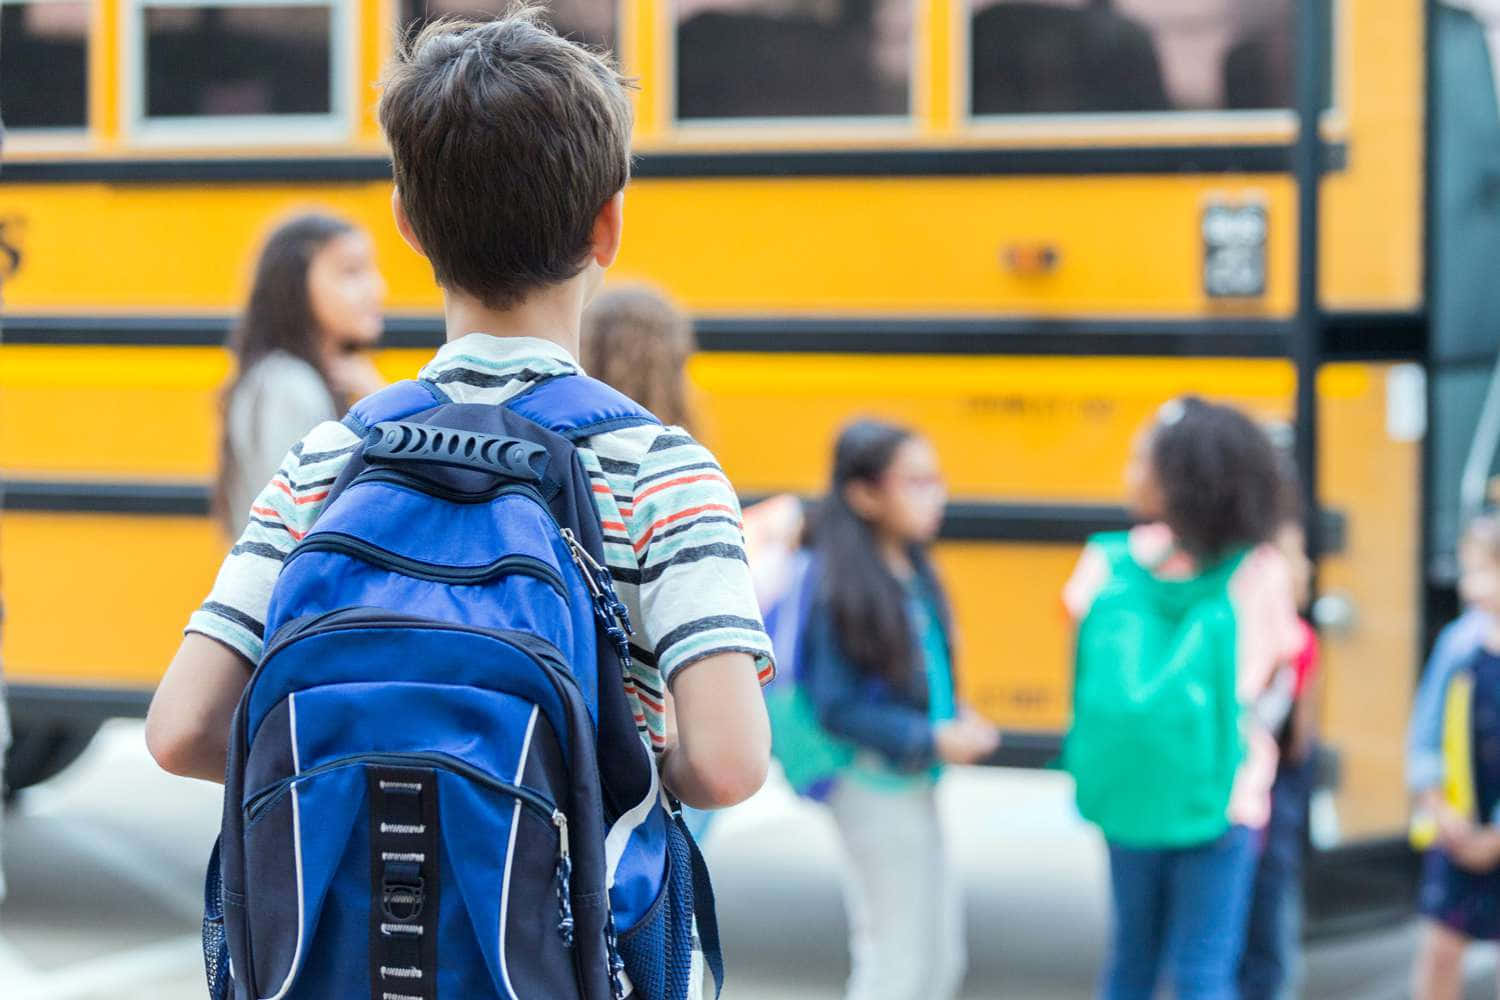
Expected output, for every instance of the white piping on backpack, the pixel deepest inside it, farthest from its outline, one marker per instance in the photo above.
(510, 855)
(291, 974)
(619, 834)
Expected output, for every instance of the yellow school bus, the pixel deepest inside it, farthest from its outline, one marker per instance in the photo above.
(1020, 225)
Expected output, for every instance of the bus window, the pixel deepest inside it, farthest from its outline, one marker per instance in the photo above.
(793, 58)
(44, 64)
(591, 22)
(238, 60)
(1088, 56)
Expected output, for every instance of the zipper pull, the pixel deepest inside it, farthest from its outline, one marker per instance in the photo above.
(607, 604)
(579, 552)
(561, 822)
(584, 562)
(564, 876)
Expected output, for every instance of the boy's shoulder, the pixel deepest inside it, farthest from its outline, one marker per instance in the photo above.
(643, 447)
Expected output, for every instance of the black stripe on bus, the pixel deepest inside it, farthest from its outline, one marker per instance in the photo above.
(1254, 338)
(967, 521)
(42, 704)
(963, 162)
(1070, 337)
(97, 497)
(1347, 336)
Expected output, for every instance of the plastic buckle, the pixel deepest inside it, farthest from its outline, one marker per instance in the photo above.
(402, 898)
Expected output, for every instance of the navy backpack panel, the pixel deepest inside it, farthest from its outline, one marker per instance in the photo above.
(435, 785)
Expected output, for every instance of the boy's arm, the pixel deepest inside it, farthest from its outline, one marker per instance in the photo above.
(187, 726)
(701, 620)
(723, 735)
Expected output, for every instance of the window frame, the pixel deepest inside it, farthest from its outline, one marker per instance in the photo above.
(772, 130)
(62, 137)
(335, 127)
(399, 24)
(1222, 126)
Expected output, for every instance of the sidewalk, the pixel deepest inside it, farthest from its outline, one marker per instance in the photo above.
(106, 865)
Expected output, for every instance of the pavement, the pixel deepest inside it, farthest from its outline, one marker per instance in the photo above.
(105, 868)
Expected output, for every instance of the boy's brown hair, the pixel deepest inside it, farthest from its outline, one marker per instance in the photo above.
(507, 141)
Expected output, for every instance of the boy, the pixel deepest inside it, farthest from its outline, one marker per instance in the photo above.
(512, 149)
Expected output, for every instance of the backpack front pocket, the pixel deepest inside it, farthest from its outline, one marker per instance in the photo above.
(421, 855)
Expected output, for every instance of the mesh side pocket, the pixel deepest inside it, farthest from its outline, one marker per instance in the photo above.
(215, 943)
(658, 951)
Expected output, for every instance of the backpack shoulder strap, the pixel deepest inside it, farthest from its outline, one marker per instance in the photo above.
(396, 401)
(578, 407)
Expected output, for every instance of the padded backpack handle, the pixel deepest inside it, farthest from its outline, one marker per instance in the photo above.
(396, 441)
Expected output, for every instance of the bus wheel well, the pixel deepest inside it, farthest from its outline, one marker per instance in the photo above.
(42, 747)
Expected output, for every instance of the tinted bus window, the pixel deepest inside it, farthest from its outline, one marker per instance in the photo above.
(591, 22)
(1085, 56)
(803, 58)
(44, 64)
(238, 60)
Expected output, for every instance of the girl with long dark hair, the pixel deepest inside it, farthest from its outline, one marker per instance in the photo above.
(876, 661)
(300, 348)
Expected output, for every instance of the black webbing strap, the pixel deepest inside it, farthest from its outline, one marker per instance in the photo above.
(403, 883)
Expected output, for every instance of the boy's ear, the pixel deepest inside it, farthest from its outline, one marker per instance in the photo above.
(403, 224)
(609, 230)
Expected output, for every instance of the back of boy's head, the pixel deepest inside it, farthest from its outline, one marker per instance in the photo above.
(1218, 476)
(507, 141)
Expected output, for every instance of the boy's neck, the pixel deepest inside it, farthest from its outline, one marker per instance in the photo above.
(553, 314)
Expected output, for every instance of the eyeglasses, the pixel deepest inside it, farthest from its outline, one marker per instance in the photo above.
(915, 485)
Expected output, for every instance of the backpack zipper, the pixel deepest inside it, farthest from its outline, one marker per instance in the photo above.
(427, 487)
(345, 544)
(262, 800)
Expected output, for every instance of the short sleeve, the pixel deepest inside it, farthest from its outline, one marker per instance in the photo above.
(234, 613)
(1089, 577)
(696, 593)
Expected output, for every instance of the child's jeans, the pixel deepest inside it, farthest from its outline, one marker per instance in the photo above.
(906, 930)
(1274, 932)
(1180, 912)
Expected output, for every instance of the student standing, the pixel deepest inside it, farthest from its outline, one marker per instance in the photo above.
(1182, 622)
(876, 659)
(299, 351)
(511, 149)
(1459, 804)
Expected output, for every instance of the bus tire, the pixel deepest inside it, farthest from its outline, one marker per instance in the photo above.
(42, 748)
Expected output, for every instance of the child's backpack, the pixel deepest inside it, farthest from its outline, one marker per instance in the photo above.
(435, 789)
(1458, 787)
(1155, 741)
(810, 757)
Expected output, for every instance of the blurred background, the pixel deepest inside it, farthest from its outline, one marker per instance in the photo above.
(1017, 225)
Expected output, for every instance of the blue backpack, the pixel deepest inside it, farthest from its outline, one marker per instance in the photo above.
(435, 786)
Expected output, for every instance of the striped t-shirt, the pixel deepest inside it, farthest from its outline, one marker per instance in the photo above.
(672, 535)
